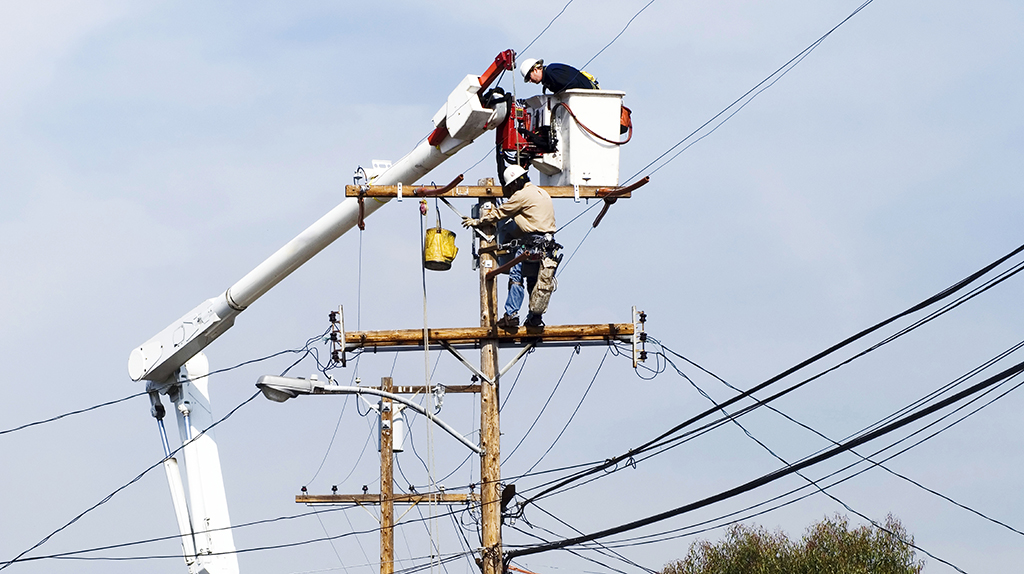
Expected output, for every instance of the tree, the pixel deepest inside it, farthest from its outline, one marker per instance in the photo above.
(828, 547)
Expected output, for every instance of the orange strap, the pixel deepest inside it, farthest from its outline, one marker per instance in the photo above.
(592, 132)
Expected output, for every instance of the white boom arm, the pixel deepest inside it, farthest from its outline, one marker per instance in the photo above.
(161, 361)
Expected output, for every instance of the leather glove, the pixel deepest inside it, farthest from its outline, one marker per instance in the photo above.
(468, 222)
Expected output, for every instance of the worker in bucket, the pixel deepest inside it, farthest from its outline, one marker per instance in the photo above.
(529, 218)
(556, 77)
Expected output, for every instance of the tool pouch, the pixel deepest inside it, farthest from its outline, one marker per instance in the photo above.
(546, 285)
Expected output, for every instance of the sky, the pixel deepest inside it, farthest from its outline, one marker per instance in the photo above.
(154, 153)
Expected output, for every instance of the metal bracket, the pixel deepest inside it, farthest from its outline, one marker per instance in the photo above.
(639, 336)
(337, 336)
(529, 347)
(476, 371)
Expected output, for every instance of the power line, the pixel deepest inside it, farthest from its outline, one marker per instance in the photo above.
(74, 553)
(523, 51)
(779, 473)
(68, 414)
(621, 32)
(630, 541)
(606, 550)
(693, 434)
(129, 483)
(573, 415)
(657, 441)
(777, 75)
(957, 381)
(139, 394)
(650, 538)
(572, 355)
(809, 480)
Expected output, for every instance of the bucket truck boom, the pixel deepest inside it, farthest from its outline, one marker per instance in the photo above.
(171, 362)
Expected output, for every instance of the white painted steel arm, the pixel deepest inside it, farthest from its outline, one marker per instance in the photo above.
(339, 390)
(157, 358)
(282, 388)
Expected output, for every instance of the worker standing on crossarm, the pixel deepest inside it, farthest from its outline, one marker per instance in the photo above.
(529, 218)
(556, 77)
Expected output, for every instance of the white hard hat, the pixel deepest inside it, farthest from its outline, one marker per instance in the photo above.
(527, 66)
(513, 172)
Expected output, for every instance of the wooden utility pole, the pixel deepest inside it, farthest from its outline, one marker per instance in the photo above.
(387, 498)
(490, 463)
(488, 338)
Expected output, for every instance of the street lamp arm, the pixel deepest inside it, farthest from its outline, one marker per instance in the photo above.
(282, 388)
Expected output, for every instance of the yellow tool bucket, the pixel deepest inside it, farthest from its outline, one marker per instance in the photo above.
(439, 249)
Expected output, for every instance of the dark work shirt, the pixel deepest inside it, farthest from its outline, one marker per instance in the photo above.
(558, 77)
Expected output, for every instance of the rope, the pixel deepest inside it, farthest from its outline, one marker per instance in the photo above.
(432, 530)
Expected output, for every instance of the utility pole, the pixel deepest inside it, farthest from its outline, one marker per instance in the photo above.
(387, 498)
(490, 463)
(488, 338)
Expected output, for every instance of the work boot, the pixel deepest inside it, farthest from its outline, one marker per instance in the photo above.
(509, 322)
(533, 321)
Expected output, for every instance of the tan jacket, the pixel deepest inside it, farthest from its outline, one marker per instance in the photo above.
(530, 206)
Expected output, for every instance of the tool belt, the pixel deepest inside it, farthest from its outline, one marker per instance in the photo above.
(538, 245)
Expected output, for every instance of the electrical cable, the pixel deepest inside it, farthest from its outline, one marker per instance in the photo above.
(621, 32)
(543, 408)
(598, 544)
(932, 316)
(432, 529)
(957, 381)
(68, 414)
(573, 254)
(784, 70)
(334, 435)
(809, 480)
(331, 542)
(463, 540)
(129, 483)
(573, 552)
(668, 445)
(201, 433)
(523, 51)
(573, 415)
(650, 538)
(949, 291)
(781, 472)
(780, 72)
(508, 395)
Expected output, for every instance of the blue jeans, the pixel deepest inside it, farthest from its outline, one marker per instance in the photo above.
(508, 229)
(515, 290)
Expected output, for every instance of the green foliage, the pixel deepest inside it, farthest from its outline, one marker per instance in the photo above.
(828, 547)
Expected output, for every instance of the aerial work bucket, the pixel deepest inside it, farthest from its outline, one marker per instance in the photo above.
(439, 249)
